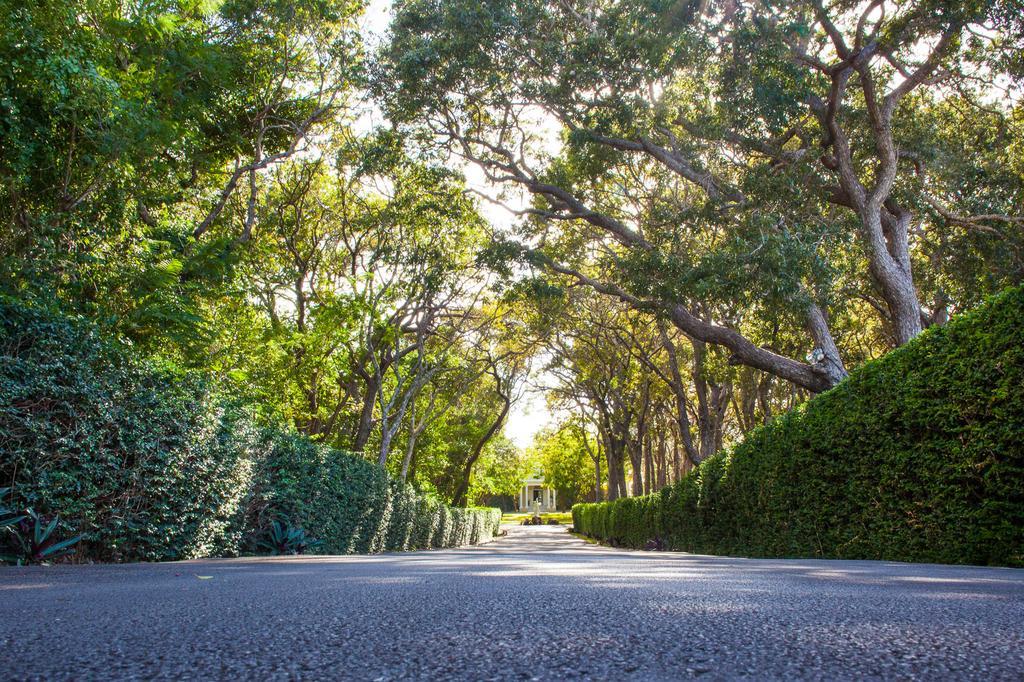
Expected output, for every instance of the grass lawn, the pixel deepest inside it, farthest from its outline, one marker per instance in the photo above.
(564, 518)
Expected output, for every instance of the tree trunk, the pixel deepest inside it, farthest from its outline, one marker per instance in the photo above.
(385, 446)
(609, 460)
(705, 424)
(679, 393)
(662, 463)
(637, 451)
(746, 353)
(410, 446)
(620, 471)
(678, 468)
(636, 461)
(459, 498)
(648, 464)
(596, 458)
(615, 455)
(365, 426)
(826, 355)
(764, 397)
(889, 259)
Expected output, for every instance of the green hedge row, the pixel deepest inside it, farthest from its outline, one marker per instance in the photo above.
(918, 456)
(351, 505)
(152, 463)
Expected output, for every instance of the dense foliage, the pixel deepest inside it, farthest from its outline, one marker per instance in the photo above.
(126, 130)
(282, 247)
(738, 166)
(918, 456)
(149, 462)
(567, 461)
(190, 177)
(759, 196)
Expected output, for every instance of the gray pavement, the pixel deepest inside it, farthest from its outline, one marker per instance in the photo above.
(537, 604)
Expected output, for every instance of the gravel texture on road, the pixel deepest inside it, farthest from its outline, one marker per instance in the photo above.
(538, 604)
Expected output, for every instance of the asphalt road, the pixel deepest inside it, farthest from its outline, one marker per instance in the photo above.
(537, 604)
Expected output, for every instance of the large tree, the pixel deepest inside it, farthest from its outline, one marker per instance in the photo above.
(724, 161)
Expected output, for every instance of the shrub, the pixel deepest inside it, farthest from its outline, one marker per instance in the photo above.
(459, 534)
(474, 528)
(116, 447)
(348, 503)
(283, 538)
(918, 456)
(152, 463)
(338, 498)
(489, 523)
(404, 507)
(425, 523)
(445, 525)
(36, 539)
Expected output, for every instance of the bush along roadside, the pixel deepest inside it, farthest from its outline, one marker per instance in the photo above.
(144, 462)
(349, 505)
(917, 456)
(31, 538)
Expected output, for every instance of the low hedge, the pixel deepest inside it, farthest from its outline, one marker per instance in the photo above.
(341, 500)
(152, 463)
(917, 456)
(351, 505)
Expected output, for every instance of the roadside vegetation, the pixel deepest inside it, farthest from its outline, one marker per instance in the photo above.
(146, 463)
(268, 284)
(551, 518)
(917, 456)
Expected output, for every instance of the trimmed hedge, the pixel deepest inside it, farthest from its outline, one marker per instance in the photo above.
(918, 456)
(351, 505)
(152, 463)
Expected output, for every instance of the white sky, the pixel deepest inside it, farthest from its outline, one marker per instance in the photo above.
(529, 414)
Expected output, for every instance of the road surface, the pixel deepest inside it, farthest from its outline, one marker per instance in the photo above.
(538, 604)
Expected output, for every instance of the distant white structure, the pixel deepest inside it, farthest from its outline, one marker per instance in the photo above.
(535, 495)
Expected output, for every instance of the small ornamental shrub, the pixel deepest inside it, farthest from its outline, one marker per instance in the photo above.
(36, 539)
(282, 539)
(918, 456)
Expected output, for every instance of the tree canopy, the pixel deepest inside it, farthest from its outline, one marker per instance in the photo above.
(710, 211)
(740, 165)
